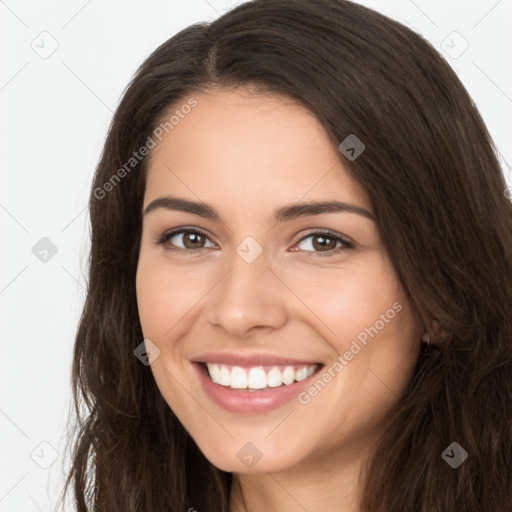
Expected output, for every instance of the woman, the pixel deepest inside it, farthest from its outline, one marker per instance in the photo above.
(299, 292)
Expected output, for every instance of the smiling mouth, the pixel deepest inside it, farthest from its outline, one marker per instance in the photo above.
(258, 378)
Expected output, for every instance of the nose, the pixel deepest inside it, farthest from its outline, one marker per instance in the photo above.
(248, 298)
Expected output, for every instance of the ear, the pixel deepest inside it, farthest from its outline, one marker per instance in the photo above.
(435, 332)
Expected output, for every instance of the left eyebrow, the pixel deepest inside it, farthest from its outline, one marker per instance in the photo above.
(317, 208)
(282, 214)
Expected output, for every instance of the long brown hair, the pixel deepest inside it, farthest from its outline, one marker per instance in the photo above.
(435, 185)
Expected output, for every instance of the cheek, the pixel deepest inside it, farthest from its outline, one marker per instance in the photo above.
(349, 298)
(365, 316)
(165, 296)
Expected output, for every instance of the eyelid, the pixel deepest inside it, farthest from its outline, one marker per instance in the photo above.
(163, 237)
(346, 242)
(330, 232)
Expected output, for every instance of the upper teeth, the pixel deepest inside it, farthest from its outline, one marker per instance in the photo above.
(237, 377)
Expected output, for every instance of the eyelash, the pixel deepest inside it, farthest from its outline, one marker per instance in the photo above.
(164, 237)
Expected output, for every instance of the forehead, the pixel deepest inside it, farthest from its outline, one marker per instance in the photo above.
(242, 147)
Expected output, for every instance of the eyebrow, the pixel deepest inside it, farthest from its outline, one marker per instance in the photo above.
(282, 214)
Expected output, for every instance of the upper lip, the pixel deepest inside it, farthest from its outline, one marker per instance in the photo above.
(240, 359)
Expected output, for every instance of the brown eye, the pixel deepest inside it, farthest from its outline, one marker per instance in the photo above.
(193, 240)
(185, 239)
(323, 243)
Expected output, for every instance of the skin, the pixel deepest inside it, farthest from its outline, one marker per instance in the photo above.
(246, 154)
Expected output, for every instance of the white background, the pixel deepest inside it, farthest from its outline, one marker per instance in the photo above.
(55, 114)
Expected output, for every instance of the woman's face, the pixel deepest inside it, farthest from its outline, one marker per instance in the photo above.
(262, 287)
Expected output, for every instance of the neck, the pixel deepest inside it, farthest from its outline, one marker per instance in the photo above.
(325, 484)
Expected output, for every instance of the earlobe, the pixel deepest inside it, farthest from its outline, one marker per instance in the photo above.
(436, 333)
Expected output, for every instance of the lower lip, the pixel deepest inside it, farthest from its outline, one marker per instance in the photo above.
(245, 401)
